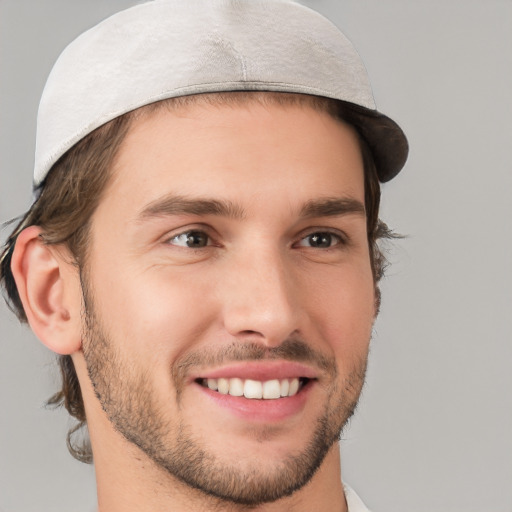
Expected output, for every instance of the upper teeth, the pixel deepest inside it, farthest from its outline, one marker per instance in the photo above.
(248, 388)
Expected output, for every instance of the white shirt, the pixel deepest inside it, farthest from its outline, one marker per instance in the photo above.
(354, 501)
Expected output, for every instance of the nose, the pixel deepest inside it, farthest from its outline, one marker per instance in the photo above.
(260, 298)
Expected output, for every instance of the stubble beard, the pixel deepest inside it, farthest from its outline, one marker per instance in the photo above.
(129, 402)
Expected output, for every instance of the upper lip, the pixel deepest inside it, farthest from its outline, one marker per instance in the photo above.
(259, 370)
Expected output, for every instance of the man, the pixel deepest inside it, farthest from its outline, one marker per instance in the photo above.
(202, 252)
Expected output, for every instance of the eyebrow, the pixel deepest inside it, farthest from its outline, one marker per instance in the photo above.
(182, 205)
(332, 207)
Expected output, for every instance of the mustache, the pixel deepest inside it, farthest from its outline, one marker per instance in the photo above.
(294, 350)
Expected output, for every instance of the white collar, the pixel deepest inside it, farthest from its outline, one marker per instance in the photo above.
(354, 501)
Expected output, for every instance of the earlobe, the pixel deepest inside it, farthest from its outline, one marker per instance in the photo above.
(49, 290)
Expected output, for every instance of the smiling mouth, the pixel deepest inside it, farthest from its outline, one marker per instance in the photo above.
(255, 389)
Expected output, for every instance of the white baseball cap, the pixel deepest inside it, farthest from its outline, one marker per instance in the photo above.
(168, 48)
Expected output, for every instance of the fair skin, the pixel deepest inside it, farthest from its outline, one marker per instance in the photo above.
(227, 236)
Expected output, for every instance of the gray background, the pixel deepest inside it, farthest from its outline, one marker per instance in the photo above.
(434, 429)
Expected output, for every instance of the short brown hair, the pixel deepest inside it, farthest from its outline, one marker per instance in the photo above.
(73, 189)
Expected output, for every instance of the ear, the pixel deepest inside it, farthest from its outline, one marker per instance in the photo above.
(49, 288)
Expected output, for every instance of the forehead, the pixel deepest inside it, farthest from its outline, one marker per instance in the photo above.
(248, 152)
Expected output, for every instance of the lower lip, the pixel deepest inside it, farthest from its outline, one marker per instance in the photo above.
(261, 411)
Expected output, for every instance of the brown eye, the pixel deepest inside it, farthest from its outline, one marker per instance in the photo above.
(191, 239)
(320, 240)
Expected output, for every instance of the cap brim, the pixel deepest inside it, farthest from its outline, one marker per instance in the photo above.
(384, 137)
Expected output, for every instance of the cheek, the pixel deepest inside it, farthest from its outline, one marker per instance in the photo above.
(165, 311)
(344, 313)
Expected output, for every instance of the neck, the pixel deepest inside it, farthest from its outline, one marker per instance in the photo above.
(143, 487)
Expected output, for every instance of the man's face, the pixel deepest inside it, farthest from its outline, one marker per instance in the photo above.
(229, 256)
